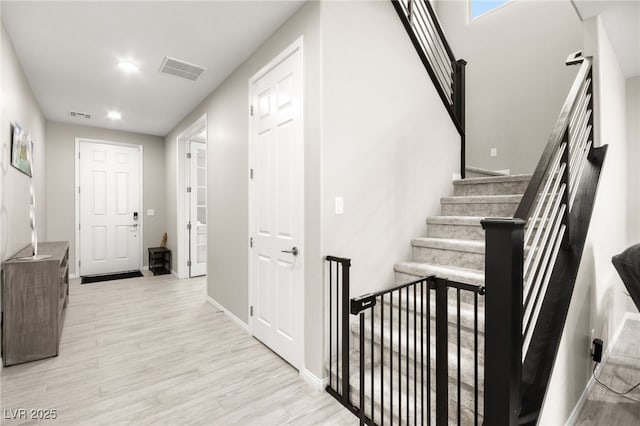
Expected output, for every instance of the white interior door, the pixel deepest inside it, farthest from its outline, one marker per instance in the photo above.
(198, 209)
(109, 202)
(276, 205)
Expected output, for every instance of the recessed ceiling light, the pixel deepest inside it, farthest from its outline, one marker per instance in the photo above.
(128, 67)
(114, 115)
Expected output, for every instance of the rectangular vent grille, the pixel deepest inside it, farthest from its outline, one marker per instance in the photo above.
(80, 114)
(182, 69)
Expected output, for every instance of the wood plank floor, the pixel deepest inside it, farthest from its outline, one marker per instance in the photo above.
(151, 351)
(620, 371)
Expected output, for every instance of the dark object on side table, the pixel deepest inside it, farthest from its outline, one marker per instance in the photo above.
(159, 260)
(627, 264)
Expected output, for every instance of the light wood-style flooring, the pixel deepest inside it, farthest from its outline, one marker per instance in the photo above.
(620, 371)
(151, 351)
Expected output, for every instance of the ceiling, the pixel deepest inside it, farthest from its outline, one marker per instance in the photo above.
(621, 19)
(70, 52)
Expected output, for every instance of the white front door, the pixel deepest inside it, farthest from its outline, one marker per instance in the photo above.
(198, 209)
(109, 201)
(276, 205)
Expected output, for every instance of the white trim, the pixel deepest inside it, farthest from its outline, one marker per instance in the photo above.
(181, 235)
(315, 381)
(174, 273)
(228, 314)
(297, 45)
(78, 140)
(575, 413)
(72, 276)
(145, 268)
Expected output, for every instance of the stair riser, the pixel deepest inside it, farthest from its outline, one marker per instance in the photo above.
(502, 188)
(479, 209)
(461, 232)
(437, 256)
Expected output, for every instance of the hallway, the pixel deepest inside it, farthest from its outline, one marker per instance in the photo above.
(151, 351)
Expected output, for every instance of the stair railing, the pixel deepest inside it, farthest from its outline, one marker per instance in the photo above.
(521, 252)
(447, 74)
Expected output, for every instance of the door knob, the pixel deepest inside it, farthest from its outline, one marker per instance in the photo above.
(293, 251)
(135, 225)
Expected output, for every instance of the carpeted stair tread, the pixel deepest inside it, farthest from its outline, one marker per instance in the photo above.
(482, 199)
(463, 275)
(493, 179)
(467, 246)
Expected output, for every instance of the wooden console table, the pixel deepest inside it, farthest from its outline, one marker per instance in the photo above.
(34, 297)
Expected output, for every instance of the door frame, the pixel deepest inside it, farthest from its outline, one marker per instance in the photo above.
(182, 236)
(76, 190)
(297, 45)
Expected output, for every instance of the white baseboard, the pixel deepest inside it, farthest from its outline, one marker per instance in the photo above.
(573, 418)
(72, 276)
(175, 274)
(145, 268)
(315, 381)
(228, 314)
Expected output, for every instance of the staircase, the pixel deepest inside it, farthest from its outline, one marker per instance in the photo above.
(453, 249)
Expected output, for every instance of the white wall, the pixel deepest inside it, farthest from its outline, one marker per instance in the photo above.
(633, 159)
(389, 147)
(19, 106)
(516, 77)
(598, 301)
(60, 189)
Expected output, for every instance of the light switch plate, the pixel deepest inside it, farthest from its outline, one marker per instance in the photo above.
(151, 212)
(339, 205)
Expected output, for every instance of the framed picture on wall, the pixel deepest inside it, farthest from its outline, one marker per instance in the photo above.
(21, 149)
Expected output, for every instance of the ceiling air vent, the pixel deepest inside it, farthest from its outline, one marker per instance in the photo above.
(80, 114)
(182, 69)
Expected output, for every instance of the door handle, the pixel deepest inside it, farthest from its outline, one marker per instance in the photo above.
(293, 251)
(135, 225)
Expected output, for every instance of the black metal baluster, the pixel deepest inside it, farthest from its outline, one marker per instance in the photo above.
(422, 351)
(345, 331)
(391, 356)
(459, 366)
(429, 351)
(406, 303)
(372, 366)
(442, 365)
(330, 325)
(400, 356)
(339, 387)
(475, 355)
(415, 359)
(362, 417)
(381, 359)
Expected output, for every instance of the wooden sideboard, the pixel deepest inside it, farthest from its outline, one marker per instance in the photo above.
(34, 297)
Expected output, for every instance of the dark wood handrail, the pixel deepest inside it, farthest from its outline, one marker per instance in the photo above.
(556, 138)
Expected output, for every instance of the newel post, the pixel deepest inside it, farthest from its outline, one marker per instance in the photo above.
(459, 107)
(503, 320)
